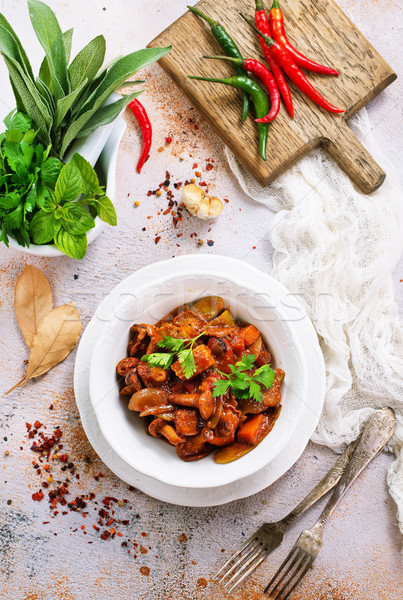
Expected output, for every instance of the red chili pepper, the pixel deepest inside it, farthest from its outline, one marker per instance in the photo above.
(146, 131)
(262, 23)
(278, 33)
(263, 73)
(285, 60)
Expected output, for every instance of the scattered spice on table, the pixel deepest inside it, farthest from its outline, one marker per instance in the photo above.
(106, 516)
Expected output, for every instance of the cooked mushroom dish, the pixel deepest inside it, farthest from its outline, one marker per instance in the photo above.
(202, 381)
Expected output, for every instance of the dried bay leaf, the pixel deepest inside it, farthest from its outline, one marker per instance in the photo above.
(57, 335)
(32, 301)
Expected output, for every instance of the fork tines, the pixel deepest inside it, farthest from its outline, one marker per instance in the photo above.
(242, 562)
(289, 575)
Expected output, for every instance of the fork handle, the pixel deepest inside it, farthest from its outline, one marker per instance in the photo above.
(376, 433)
(327, 483)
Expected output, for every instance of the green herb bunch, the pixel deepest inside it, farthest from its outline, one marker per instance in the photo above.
(241, 383)
(181, 350)
(66, 100)
(41, 198)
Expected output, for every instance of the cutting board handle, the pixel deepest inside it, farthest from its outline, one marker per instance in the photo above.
(354, 159)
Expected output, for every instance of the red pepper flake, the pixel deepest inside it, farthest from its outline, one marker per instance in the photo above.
(28, 426)
(183, 538)
(195, 165)
(253, 247)
(105, 535)
(197, 173)
(157, 239)
(37, 424)
(168, 140)
(145, 571)
(37, 496)
(209, 167)
(143, 534)
(202, 582)
(143, 550)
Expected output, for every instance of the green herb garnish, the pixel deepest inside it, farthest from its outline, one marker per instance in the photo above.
(241, 383)
(43, 200)
(181, 349)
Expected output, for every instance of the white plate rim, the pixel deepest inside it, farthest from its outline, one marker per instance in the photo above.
(165, 492)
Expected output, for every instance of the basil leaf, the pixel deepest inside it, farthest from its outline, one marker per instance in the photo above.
(43, 227)
(76, 219)
(87, 62)
(68, 185)
(105, 209)
(50, 201)
(88, 175)
(74, 246)
(50, 171)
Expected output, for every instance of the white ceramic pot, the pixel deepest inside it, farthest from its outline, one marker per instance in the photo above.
(102, 147)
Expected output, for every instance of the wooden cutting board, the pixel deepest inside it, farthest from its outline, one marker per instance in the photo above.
(319, 29)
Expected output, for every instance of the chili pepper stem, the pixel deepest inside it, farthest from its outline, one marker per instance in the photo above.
(211, 79)
(209, 20)
(269, 41)
(236, 61)
(276, 4)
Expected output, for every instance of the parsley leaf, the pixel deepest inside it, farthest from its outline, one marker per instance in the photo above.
(242, 384)
(158, 359)
(170, 343)
(264, 375)
(187, 362)
(220, 387)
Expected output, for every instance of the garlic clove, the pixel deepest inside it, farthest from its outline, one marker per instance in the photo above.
(200, 204)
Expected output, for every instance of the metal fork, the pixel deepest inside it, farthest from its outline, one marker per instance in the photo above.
(376, 433)
(269, 536)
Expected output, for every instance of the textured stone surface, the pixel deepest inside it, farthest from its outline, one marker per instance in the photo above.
(54, 561)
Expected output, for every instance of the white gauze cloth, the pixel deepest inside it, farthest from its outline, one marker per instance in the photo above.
(336, 248)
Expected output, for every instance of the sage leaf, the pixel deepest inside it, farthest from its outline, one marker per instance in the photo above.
(67, 41)
(50, 37)
(25, 98)
(32, 301)
(87, 63)
(68, 184)
(27, 65)
(43, 227)
(120, 71)
(9, 46)
(64, 104)
(106, 114)
(74, 246)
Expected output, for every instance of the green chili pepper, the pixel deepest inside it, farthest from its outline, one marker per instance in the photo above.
(259, 100)
(230, 48)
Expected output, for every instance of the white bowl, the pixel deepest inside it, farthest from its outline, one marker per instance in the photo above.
(101, 146)
(124, 430)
